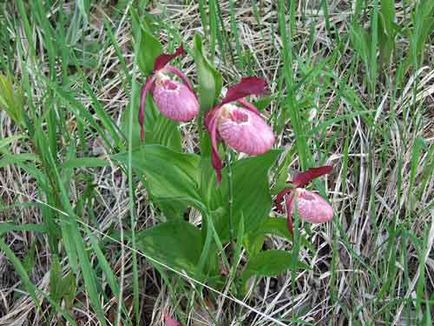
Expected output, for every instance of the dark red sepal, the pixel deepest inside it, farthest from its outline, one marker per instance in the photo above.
(247, 86)
(303, 178)
(163, 59)
(279, 199)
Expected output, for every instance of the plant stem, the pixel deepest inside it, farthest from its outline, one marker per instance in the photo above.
(231, 194)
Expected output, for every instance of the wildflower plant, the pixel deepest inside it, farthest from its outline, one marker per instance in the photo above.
(229, 194)
(310, 207)
(175, 100)
(239, 126)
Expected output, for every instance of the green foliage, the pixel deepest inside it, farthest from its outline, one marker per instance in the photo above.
(177, 244)
(254, 240)
(275, 226)
(9, 227)
(270, 263)
(173, 180)
(12, 100)
(210, 80)
(158, 129)
(148, 47)
(387, 30)
(251, 196)
(19, 268)
(423, 26)
(362, 43)
(62, 288)
(171, 177)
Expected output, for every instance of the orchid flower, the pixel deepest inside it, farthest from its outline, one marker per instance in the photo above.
(310, 206)
(238, 122)
(169, 321)
(175, 100)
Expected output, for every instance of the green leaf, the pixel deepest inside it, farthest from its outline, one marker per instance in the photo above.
(251, 196)
(11, 100)
(21, 271)
(148, 49)
(360, 42)
(62, 287)
(6, 141)
(210, 80)
(254, 240)
(9, 227)
(84, 6)
(30, 258)
(55, 280)
(423, 23)
(176, 244)
(277, 226)
(272, 226)
(270, 263)
(418, 146)
(88, 273)
(69, 290)
(172, 177)
(386, 30)
(166, 133)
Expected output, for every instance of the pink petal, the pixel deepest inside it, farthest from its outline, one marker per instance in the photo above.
(247, 86)
(244, 130)
(165, 58)
(181, 75)
(145, 89)
(303, 178)
(169, 321)
(175, 100)
(310, 207)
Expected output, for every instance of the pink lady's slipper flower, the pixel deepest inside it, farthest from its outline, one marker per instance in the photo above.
(310, 206)
(169, 321)
(175, 100)
(238, 123)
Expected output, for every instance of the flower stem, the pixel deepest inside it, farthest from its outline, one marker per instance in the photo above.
(231, 194)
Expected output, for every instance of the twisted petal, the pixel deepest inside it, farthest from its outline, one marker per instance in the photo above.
(310, 206)
(215, 158)
(244, 130)
(279, 199)
(175, 100)
(165, 58)
(247, 86)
